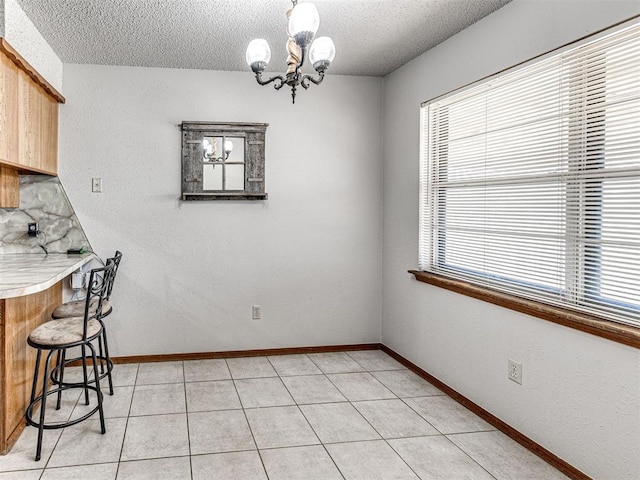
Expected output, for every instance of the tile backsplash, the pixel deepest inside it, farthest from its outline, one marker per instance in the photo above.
(42, 200)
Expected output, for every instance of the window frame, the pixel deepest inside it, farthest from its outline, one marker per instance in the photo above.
(594, 324)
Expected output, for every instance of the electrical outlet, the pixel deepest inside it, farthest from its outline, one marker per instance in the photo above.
(32, 229)
(256, 312)
(515, 371)
(96, 185)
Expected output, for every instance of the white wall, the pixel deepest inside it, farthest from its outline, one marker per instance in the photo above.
(581, 394)
(310, 254)
(2, 18)
(23, 36)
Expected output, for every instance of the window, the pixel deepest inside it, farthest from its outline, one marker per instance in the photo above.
(530, 181)
(223, 161)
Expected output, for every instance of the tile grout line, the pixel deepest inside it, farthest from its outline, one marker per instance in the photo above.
(60, 436)
(436, 429)
(417, 413)
(307, 420)
(186, 414)
(468, 455)
(246, 419)
(371, 425)
(126, 423)
(443, 434)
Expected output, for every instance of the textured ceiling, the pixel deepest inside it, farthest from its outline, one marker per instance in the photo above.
(372, 37)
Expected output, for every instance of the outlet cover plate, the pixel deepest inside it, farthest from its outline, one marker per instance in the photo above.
(514, 372)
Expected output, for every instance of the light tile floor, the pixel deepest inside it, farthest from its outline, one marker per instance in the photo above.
(347, 415)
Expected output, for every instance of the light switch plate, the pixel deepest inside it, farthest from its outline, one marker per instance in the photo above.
(96, 185)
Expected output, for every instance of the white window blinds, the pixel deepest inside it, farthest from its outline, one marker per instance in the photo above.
(530, 182)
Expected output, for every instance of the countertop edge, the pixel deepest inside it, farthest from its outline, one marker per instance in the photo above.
(24, 290)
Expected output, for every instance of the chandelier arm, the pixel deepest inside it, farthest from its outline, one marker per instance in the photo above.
(278, 78)
(309, 78)
(210, 158)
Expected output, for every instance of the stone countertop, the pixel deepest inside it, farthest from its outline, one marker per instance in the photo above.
(26, 273)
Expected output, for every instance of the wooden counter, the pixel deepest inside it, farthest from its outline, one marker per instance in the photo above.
(30, 288)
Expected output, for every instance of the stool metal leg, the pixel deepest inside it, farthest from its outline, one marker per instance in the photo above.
(101, 354)
(43, 403)
(108, 360)
(103, 429)
(62, 356)
(34, 385)
(84, 373)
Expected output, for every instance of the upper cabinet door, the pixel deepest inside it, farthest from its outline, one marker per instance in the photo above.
(28, 124)
(28, 116)
(8, 110)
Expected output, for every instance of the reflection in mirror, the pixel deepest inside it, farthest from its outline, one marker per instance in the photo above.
(212, 149)
(223, 163)
(237, 154)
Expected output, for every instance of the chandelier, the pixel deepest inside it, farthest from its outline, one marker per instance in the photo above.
(303, 25)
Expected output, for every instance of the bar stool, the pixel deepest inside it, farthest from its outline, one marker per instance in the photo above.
(75, 309)
(58, 337)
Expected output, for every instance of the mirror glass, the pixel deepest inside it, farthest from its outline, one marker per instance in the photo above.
(235, 177)
(223, 170)
(212, 177)
(237, 154)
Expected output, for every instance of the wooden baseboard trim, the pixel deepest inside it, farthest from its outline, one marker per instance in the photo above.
(175, 357)
(549, 457)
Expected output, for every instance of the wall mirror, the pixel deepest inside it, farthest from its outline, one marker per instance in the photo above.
(223, 161)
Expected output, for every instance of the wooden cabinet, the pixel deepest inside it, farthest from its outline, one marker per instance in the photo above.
(28, 123)
(37, 128)
(18, 317)
(8, 110)
(9, 187)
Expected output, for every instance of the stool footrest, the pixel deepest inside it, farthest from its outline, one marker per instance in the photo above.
(55, 373)
(52, 426)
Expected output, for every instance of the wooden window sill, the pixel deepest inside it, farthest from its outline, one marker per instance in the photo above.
(617, 332)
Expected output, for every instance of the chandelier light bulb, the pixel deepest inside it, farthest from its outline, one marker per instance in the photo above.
(322, 53)
(304, 23)
(228, 146)
(258, 54)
